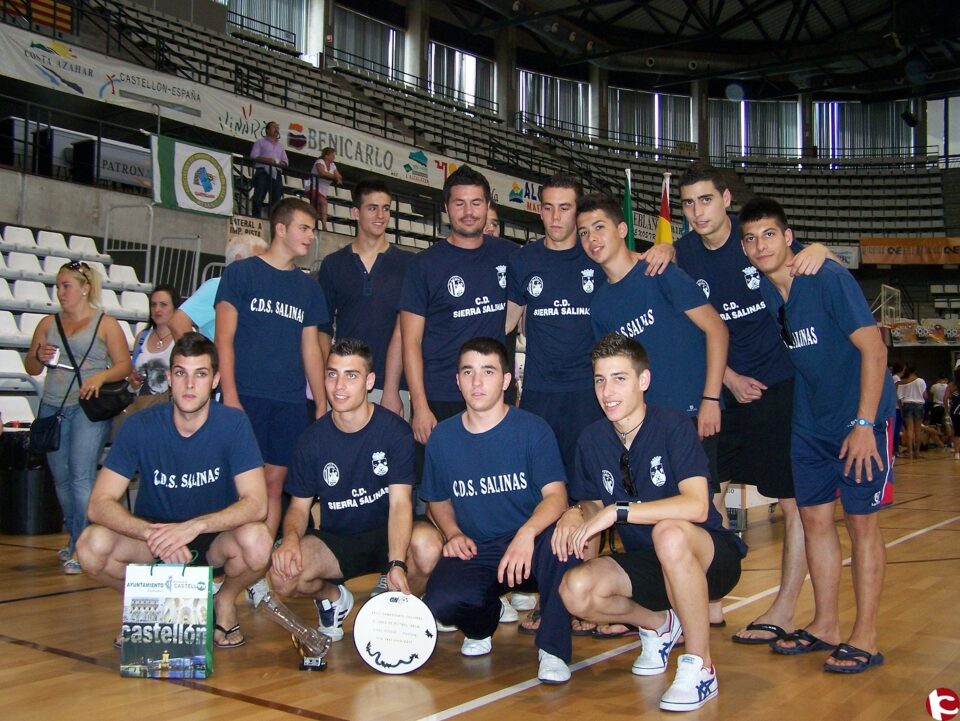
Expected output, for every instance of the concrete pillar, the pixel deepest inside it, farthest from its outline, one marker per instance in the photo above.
(319, 27)
(919, 109)
(597, 117)
(699, 128)
(507, 75)
(416, 42)
(807, 144)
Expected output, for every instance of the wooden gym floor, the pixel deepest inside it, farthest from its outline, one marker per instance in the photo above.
(57, 660)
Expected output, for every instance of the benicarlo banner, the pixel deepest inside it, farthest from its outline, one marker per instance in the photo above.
(80, 72)
(189, 177)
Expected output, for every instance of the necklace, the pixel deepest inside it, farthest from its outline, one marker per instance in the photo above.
(160, 339)
(623, 436)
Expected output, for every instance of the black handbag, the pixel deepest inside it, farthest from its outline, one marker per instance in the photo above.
(45, 433)
(113, 397)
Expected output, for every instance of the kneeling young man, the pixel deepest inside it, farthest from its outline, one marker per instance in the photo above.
(202, 489)
(357, 461)
(495, 485)
(643, 467)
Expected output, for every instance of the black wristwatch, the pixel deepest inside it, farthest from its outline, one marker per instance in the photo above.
(623, 510)
(397, 564)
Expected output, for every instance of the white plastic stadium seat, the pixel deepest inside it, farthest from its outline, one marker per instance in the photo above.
(27, 266)
(29, 322)
(51, 266)
(6, 272)
(16, 408)
(135, 304)
(84, 245)
(127, 333)
(16, 238)
(34, 294)
(10, 334)
(110, 303)
(126, 277)
(51, 243)
(10, 363)
(7, 301)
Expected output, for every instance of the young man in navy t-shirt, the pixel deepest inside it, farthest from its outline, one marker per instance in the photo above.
(202, 489)
(495, 485)
(643, 468)
(454, 290)
(357, 462)
(268, 311)
(362, 283)
(842, 432)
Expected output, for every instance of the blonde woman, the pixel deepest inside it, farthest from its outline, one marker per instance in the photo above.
(97, 336)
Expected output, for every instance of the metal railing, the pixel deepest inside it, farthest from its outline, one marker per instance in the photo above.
(258, 27)
(890, 156)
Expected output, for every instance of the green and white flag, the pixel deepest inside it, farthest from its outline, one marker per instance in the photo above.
(190, 177)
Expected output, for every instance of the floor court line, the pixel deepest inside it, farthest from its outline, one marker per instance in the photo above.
(495, 696)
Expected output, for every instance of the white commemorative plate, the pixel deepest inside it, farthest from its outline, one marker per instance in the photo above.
(395, 633)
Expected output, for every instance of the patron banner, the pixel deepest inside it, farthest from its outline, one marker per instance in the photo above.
(910, 251)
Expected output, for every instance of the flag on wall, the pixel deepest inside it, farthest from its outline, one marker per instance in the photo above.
(190, 177)
(664, 231)
(627, 207)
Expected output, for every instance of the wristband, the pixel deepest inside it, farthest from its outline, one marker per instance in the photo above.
(623, 510)
(397, 564)
(709, 398)
(862, 422)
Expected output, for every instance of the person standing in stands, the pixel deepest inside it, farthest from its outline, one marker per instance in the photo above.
(322, 175)
(271, 160)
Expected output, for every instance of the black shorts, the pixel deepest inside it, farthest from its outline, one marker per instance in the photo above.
(201, 545)
(711, 448)
(357, 554)
(754, 446)
(648, 587)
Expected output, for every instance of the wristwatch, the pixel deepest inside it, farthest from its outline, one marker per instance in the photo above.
(397, 564)
(623, 510)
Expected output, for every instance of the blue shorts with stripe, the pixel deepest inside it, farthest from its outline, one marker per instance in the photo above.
(818, 475)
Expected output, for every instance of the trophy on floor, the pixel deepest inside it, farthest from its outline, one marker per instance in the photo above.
(311, 644)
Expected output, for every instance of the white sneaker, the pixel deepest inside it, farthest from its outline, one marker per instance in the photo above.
(552, 669)
(444, 628)
(334, 613)
(381, 586)
(257, 592)
(692, 687)
(64, 554)
(508, 614)
(476, 646)
(216, 587)
(523, 601)
(655, 654)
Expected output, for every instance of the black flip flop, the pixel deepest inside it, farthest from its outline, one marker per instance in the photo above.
(533, 616)
(806, 643)
(226, 632)
(777, 631)
(631, 630)
(845, 652)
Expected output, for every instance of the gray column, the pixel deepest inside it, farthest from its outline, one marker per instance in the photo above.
(319, 27)
(507, 75)
(416, 41)
(808, 146)
(919, 109)
(597, 117)
(699, 127)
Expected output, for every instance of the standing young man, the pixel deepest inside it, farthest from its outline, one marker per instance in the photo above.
(202, 489)
(842, 432)
(268, 311)
(454, 290)
(495, 485)
(357, 461)
(362, 284)
(643, 468)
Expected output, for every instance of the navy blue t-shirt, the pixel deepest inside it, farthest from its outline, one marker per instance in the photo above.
(652, 311)
(732, 285)
(461, 294)
(350, 473)
(273, 307)
(182, 478)
(665, 451)
(494, 479)
(821, 313)
(556, 286)
(364, 305)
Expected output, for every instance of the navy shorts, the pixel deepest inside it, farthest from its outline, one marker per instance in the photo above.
(754, 445)
(711, 445)
(567, 413)
(277, 426)
(357, 554)
(818, 473)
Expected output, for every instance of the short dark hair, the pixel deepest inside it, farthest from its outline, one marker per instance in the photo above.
(614, 344)
(327, 150)
(465, 175)
(564, 180)
(283, 211)
(699, 171)
(759, 208)
(169, 290)
(344, 347)
(602, 202)
(486, 346)
(367, 186)
(193, 345)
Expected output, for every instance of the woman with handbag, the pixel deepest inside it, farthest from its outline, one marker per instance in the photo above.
(81, 330)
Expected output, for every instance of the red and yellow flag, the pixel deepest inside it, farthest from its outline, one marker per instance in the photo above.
(664, 231)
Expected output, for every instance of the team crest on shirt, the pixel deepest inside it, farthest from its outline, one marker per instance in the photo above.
(586, 280)
(535, 286)
(331, 474)
(455, 286)
(607, 478)
(658, 476)
(704, 286)
(379, 461)
(752, 277)
(502, 275)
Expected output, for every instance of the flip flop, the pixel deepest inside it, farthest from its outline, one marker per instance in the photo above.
(532, 617)
(226, 632)
(806, 643)
(846, 652)
(630, 631)
(777, 631)
(580, 631)
(718, 624)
